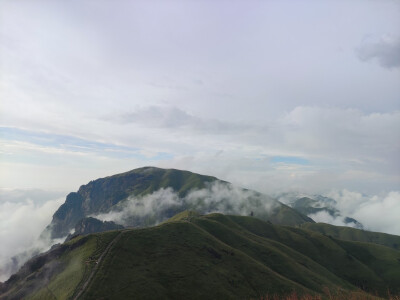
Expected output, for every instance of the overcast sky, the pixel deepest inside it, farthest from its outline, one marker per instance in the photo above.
(271, 95)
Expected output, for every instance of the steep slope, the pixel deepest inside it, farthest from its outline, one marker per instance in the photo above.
(92, 225)
(111, 194)
(213, 257)
(57, 273)
(102, 194)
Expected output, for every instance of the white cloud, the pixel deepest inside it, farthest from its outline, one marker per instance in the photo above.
(377, 213)
(22, 219)
(216, 197)
(345, 148)
(325, 217)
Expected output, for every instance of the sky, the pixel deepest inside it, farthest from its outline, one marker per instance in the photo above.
(270, 95)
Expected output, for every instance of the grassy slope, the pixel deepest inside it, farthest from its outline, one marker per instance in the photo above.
(214, 257)
(57, 273)
(352, 234)
(147, 180)
(218, 256)
(179, 260)
(334, 256)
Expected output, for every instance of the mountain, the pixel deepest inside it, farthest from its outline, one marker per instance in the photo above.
(213, 256)
(187, 190)
(92, 225)
(99, 196)
(310, 206)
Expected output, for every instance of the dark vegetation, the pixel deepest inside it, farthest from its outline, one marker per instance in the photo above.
(213, 257)
(352, 234)
(93, 225)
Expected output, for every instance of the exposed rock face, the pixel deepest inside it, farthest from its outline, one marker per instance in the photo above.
(68, 213)
(99, 196)
(93, 225)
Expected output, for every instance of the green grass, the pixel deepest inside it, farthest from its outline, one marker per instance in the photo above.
(218, 257)
(58, 273)
(221, 257)
(352, 234)
(180, 260)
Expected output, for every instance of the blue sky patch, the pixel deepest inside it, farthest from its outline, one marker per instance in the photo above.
(75, 144)
(294, 160)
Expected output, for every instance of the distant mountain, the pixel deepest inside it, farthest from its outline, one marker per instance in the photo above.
(208, 257)
(311, 205)
(112, 194)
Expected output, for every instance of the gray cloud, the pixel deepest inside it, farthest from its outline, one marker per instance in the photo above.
(385, 50)
(345, 148)
(171, 117)
(325, 217)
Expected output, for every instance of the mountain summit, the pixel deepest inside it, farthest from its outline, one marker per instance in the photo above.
(149, 195)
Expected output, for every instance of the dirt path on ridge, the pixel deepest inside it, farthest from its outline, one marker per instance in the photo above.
(85, 285)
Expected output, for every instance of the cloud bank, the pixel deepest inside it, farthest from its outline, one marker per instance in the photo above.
(22, 219)
(377, 213)
(164, 203)
(339, 149)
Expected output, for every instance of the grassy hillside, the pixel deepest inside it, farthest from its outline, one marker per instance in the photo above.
(211, 257)
(59, 272)
(352, 234)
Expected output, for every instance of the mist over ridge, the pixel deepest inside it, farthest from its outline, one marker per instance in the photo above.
(217, 197)
(158, 204)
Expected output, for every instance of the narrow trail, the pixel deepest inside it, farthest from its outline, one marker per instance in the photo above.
(85, 285)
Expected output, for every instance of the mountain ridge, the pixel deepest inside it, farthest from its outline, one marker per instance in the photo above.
(107, 194)
(208, 256)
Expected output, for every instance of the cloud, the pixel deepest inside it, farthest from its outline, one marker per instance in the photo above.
(343, 135)
(386, 50)
(376, 213)
(22, 219)
(171, 117)
(325, 217)
(332, 147)
(164, 203)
